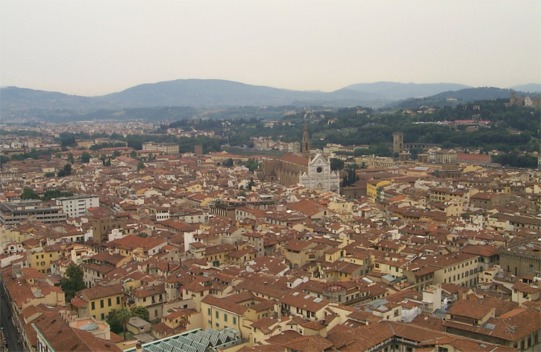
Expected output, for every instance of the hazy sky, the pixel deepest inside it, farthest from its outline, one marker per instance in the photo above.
(94, 47)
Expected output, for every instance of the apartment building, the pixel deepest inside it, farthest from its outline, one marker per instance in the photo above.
(77, 205)
(15, 213)
(41, 258)
(167, 148)
(98, 301)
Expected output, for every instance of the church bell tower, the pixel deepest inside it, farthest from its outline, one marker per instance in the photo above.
(305, 145)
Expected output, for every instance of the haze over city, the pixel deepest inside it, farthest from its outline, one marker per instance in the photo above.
(98, 47)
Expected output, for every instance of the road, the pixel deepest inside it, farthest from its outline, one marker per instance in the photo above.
(10, 333)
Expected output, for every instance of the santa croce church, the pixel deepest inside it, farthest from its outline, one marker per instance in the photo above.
(313, 172)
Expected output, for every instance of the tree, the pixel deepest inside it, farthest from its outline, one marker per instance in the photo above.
(228, 162)
(351, 175)
(72, 282)
(415, 152)
(140, 165)
(55, 193)
(251, 164)
(85, 157)
(118, 318)
(71, 159)
(66, 171)
(336, 164)
(133, 154)
(3, 159)
(29, 193)
(141, 312)
(251, 184)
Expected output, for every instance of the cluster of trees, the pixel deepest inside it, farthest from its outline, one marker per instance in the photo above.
(72, 282)
(251, 164)
(32, 154)
(28, 193)
(515, 159)
(348, 171)
(22, 133)
(65, 171)
(118, 318)
(350, 176)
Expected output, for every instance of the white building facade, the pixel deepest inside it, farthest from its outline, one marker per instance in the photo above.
(77, 205)
(319, 175)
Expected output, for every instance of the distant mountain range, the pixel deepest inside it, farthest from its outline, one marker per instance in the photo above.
(399, 91)
(529, 88)
(199, 93)
(467, 95)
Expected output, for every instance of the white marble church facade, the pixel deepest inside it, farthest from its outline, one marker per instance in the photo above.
(319, 175)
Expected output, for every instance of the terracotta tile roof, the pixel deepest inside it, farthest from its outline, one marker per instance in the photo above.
(78, 302)
(63, 338)
(267, 287)
(32, 273)
(99, 291)
(131, 242)
(512, 326)
(471, 309)
(522, 287)
(462, 344)
(298, 245)
(296, 159)
(103, 269)
(107, 257)
(177, 313)
(314, 343)
(359, 339)
(306, 206)
(283, 338)
(481, 250)
(265, 324)
(304, 301)
(146, 291)
(225, 304)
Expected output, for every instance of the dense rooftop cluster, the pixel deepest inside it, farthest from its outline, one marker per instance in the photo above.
(412, 257)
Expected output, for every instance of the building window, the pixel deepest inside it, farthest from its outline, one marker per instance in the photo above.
(93, 305)
(217, 314)
(101, 303)
(225, 317)
(235, 320)
(108, 302)
(208, 311)
(118, 300)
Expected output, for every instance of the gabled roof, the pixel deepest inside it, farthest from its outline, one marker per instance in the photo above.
(99, 291)
(306, 206)
(225, 304)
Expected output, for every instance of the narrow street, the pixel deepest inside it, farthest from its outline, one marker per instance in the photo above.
(10, 333)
